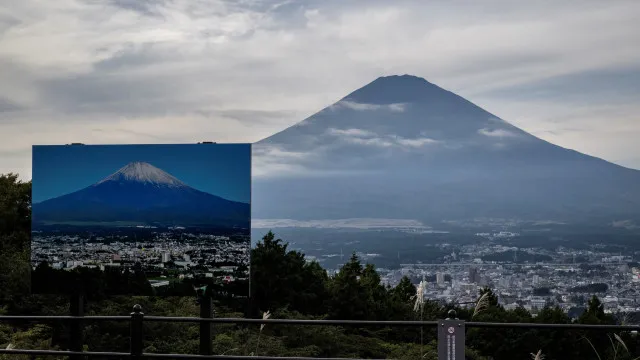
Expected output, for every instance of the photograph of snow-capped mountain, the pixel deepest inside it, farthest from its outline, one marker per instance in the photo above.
(141, 219)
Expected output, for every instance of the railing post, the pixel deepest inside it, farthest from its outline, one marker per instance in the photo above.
(636, 334)
(451, 338)
(76, 338)
(206, 311)
(136, 332)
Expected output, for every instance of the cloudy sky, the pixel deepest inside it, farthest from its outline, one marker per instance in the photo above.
(166, 71)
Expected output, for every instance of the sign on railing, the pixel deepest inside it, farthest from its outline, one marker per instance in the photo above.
(451, 336)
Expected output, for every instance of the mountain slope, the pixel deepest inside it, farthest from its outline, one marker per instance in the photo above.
(142, 193)
(401, 147)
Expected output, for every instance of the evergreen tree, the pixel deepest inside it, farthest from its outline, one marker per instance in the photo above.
(347, 299)
(282, 278)
(375, 295)
(404, 291)
(15, 228)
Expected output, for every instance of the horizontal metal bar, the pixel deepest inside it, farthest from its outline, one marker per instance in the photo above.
(65, 318)
(291, 321)
(62, 353)
(472, 324)
(232, 357)
(157, 356)
(409, 323)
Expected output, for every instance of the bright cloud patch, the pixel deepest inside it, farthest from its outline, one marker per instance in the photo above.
(365, 137)
(359, 133)
(398, 107)
(273, 160)
(417, 142)
(276, 161)
(499, 133)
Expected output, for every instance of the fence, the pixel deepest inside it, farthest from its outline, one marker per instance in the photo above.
(451, 334)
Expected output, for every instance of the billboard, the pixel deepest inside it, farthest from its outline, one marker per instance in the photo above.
(141, 219)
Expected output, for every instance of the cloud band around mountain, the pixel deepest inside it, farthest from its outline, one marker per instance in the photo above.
(498, 133)
(370, 138)
(352, 105)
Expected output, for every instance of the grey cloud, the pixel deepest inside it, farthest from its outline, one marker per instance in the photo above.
(7, 22)
(131, 132)
(256, 116)
(14, 152)
(562, 130)
(498, 62)
(119, 95)
(145, 7)
(598, 86)
(132, 57)
(95, 93)
(7, 105)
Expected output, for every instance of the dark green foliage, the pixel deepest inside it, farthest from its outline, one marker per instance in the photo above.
(404, 291)
(15, 227)
(93, 283)
(282, 278)
(590, 288)
(15, 207)
(543, 291)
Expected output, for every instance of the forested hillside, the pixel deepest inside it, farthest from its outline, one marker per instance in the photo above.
(286, 285)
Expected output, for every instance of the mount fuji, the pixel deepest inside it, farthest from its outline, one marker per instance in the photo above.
(404, 148)
(142, 193)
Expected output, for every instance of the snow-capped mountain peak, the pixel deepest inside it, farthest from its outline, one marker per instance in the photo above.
(144, 173)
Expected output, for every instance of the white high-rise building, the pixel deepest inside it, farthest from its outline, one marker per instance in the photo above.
(166, 257)
(440, 278)
(536, 279)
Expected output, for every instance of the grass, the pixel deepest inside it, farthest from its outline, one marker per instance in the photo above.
(265, 316)
(418, 306)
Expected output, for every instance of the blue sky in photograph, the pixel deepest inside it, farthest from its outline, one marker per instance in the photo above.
(220, 169)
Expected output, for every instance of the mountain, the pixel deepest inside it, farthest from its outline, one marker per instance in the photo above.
(141, 193)
(402, 147)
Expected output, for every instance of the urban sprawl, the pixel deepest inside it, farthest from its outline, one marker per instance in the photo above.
(162, 257)
(566, 278)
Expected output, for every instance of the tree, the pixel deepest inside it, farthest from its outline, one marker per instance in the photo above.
(347, 296)
(268, 270)
(282, 278)
(15, 207)
(404, 291)
(594, 315)
(375, 295)
(15, 228)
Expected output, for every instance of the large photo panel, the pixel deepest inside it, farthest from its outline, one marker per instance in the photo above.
(141, 219)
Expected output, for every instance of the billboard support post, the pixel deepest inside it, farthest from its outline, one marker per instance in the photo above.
(205, 301)
(136, 330)
(76, 309)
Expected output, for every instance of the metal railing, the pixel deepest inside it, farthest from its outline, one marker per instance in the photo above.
(448, 330)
